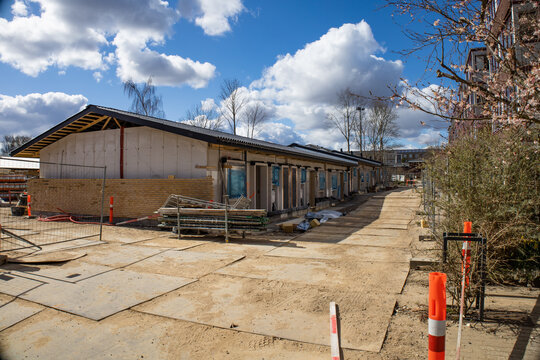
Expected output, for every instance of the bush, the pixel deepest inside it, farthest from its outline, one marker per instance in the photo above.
(492, 180)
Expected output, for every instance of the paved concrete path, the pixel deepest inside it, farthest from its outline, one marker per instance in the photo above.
(256, 290)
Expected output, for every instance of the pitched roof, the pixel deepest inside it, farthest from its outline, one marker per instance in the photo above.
(95, 117)
(352, 157)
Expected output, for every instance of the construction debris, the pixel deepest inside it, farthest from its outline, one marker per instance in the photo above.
(188, 213)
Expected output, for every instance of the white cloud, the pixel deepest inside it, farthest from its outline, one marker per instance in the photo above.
(35, 113)
(208, 104)
(428, 137)
(211, 15)
(19, 8)
(137, 62)
(67, 33)
(98, 76)
(303, 86)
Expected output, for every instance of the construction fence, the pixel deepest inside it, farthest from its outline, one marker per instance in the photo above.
(42, 214)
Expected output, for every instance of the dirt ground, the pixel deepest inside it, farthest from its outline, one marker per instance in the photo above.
(146, 294)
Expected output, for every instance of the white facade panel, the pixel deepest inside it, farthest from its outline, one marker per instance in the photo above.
(148, 153)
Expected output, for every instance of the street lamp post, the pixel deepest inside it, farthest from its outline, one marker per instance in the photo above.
(360, 109)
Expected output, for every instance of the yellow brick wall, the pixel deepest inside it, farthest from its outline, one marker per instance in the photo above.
(132, 197)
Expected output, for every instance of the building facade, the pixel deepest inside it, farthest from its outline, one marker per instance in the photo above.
(137, 150)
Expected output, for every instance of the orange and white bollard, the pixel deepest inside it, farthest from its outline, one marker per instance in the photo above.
(29, 205)
(437, 316)
(466, 252)
(465, 268)
(334, 339)
(111, 202)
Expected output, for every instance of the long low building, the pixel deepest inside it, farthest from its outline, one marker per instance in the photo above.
(144, 159)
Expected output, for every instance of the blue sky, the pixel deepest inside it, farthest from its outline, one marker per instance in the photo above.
(56, 56)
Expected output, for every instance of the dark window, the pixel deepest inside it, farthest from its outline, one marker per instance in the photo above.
(322, 181)
(237, 182)
(275, 175)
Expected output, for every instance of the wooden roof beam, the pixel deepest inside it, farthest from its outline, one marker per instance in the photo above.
(92, 123)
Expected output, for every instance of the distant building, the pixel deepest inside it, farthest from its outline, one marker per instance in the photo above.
(398, 164)
(514, 25)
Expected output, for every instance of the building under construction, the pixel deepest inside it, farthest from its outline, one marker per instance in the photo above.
(147, 159)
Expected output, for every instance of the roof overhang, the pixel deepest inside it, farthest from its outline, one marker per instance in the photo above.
(96, 118)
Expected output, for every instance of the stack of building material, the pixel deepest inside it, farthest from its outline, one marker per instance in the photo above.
(188, 213)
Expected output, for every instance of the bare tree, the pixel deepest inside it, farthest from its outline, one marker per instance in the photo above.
(144, 98)
(204, 117)
(233, 101)
(254, 116)
(344, 116)
(12, 142)
(381, 128)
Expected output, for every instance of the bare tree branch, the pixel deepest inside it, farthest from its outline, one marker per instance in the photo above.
(233, 101)
(344, 117)
(144, 98)
(254, 116)
(12, 142)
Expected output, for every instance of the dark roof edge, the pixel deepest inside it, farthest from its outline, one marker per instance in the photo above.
(339, 154)
(158, 124)
(153, 124)
(51, 130)
(203, 137)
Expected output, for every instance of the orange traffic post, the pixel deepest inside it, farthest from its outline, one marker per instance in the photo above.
(111, 202)
(437, 316)
(29, 205)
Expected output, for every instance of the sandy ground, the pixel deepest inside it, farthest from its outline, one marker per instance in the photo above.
(146, 294)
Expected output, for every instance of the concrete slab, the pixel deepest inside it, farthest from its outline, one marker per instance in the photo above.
(332, 229)
(373, 240)
(383, 214)
(116, 256)
(13, 311)
(311, 250)
(101, 296)
(187, 263)
(67, 245)
(171, 242)
(321, 237)
(128, 235)
(365, 225)
(69, 272)
(48, 258)
(53, 334)
(356, 231)
(381, 232)
(256, 248)
(365, 220)
(16, 285)
(283, 310)
(377, 277)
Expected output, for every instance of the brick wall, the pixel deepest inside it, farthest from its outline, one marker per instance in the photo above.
(132, 197)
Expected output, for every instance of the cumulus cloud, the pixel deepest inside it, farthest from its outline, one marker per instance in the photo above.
(137, 62)
(78, 33)
(212, 16)
(303, 86)
(35, 113)
(19, 8)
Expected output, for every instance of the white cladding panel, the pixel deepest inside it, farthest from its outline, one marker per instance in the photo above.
(148, 154)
